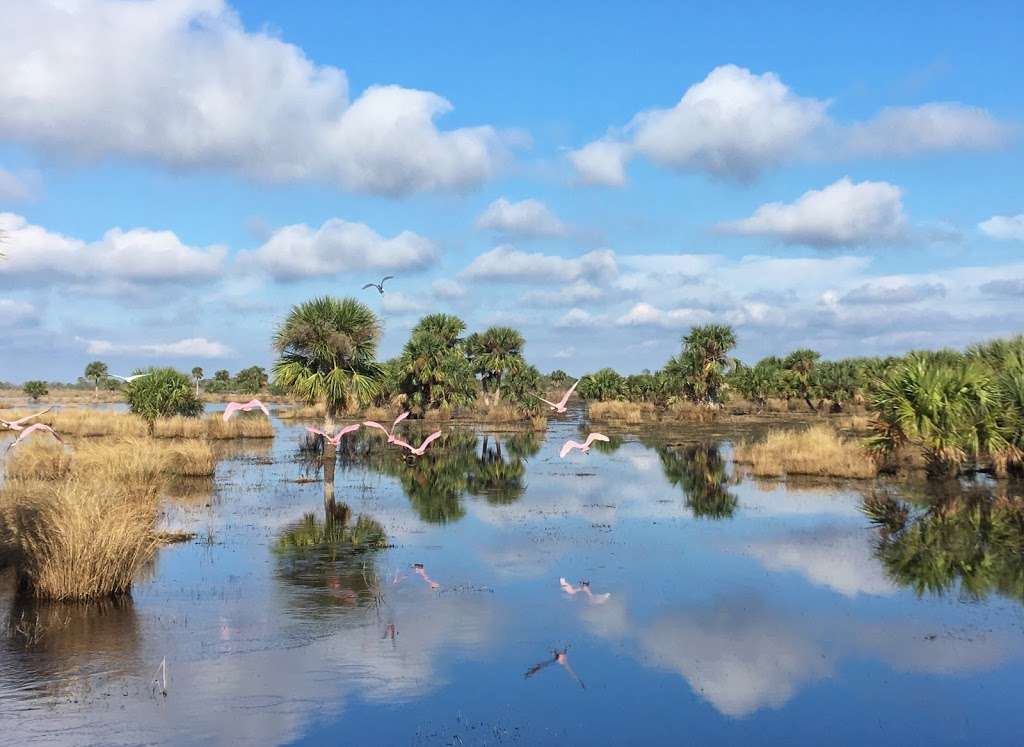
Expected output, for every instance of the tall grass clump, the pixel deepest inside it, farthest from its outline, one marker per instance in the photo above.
(38, 459)
(620, 411)
(818, 450)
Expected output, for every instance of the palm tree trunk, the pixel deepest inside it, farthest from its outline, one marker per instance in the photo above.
(330, 456)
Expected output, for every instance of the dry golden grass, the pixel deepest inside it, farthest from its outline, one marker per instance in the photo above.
(79, 538)
(631, 413)
(817, 450)
(38, 459)
(137, 460)
(304, 412)
(89, 422)
(682, 409)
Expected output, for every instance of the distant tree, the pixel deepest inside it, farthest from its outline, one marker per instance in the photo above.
(801, 363)
(197, 375)
(162, 393)
(558, 376)
(36, 389)
(223, 376)
(96, 372)
(251, 380)
(701, 367)
(602, 385)
(433, 370)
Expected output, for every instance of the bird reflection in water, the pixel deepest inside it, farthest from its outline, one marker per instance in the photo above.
(584, 588)
(561, 658)
(422, 573)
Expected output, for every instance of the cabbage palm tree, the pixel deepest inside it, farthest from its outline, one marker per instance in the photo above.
(327, 348)
(433, 370)
(701, 366)
(801, 363)
(97, 371)
(494, 353)
(197, 374)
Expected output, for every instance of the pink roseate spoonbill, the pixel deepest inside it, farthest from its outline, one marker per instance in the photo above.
(557, 657)
(418, 451)
(25, 433)
(422, 573)
(591, 596)
(19, 424)
(559, 406)
(129, 379)
(389, 433)
(252, 404)
(336, 438)
(567, 587)
(584, 447)
(379, 286)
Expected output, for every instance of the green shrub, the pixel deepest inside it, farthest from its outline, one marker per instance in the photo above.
(163, 393)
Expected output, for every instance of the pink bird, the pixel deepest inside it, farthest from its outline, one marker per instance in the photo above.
(559, 406)
(336, 438)
(26, 432)
(252, 404)
(592, 597)
(17, 425)
(567, 587)
(584, 447)
(418, 451)
(562, 659)
(422, 573)
(389, 433)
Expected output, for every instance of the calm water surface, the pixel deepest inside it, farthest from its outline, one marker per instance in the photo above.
(738, 611)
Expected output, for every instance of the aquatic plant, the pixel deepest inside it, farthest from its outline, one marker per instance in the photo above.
(817, 450)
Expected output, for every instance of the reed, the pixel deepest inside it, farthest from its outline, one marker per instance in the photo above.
(136, 460)
(77, 539)
(817, 450)
(38, 459)
(630, 413)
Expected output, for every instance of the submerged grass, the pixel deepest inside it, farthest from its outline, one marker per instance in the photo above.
(817, 450)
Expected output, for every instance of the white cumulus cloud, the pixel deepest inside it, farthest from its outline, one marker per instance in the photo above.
(842, 214)
(645, 314)
(448, 289)
(1004, 227)
(506, 263)
(567, 295)
(184, 84)
(13, 313)
(338, 246)
(138, 255)
(577, 317)
(905, 131)
(527, 218)
(195, 347)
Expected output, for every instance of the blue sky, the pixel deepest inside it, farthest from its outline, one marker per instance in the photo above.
(174, 175)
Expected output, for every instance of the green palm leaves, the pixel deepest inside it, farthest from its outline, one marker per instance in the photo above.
(327, 348)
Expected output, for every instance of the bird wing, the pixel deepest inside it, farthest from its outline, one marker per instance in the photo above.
(254, 403)
(386, 277)
(402, 443)
(537, 667)
(595, 437)
(318, 432)
(378, 426)
(231, 409)
(348, 429)
(565, 665)
(39, 427)
(566, 586)
(399, 419)
(19, 421)
(565, 397)
(569, 446)
(369, 285)
(547, 402)
(427, 441)
(115, 376)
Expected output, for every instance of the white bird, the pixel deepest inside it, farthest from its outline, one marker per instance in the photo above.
(32, 429)
(559, 406)
(584, 447)
(253, 404)
(336, 438)
(389, 433)
(379, 286)
(129, 379)
(16, 425)
(418, 451)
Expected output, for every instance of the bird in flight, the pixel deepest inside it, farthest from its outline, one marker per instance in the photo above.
(584, 588)
(379, 286)
(422, 573)
(389, 433)
(252, 404)
(584, 447)
(418, 451)
(559, 406)
(32, 429)
(129, 379)
(557, 657)
(336, 438)
(18, 425)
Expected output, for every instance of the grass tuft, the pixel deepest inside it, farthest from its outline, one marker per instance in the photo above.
(818, 450)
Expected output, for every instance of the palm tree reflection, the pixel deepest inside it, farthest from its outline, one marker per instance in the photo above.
(971, 542)
(699, 470)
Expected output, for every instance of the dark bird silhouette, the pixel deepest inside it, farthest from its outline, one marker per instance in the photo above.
(379, 286)
(557, 657)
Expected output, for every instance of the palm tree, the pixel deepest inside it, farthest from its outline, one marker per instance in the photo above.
(704, 361)
(97, 371)
(494, 353)
(327, 348)
(801, 363)
(433, 369)
(197, 374)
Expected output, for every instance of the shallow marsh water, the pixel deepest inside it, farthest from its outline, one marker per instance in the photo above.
(739, 611)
